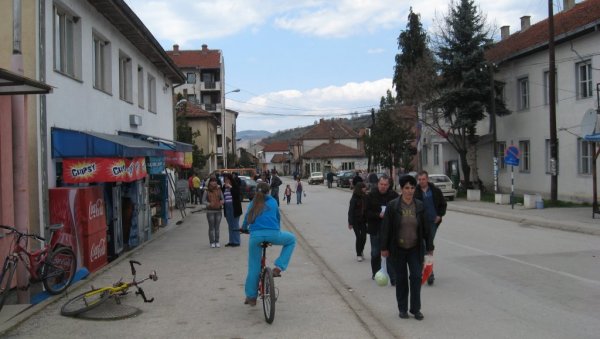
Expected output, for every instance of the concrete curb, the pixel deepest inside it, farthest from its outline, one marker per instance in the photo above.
(34, 309)
(571, 226)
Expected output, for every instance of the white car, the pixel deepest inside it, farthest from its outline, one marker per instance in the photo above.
(444, 183)
(315, 178)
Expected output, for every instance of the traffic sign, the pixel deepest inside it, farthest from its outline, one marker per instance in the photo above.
(512, 155)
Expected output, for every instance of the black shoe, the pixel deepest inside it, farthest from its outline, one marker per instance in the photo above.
(403, 315)
(235, 245)
(228, 244)
(418, 315)
(430, 280)
(393, 282)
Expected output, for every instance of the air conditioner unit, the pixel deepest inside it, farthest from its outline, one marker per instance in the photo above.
(135, 120)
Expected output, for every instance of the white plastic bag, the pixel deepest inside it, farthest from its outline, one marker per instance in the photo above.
(381, 277)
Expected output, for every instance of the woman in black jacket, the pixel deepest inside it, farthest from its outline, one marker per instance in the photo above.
(357, 220)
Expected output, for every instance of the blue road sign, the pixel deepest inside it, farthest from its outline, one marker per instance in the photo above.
(512, 155)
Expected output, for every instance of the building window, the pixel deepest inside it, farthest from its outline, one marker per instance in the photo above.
(584, 79)
(191, 78)
(346, 166)
(501, 149)
(315, 167)
(140, 86)
(424, 155)
(585, 154)
(547, 85)
(125, 78)
(191, 97)
(524, 163)
(67, 42)
(436, 155)
(151, 94)
(523, 88)
(101, 64)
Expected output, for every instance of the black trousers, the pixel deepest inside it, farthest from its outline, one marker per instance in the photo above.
(361, 238)
(410, 258)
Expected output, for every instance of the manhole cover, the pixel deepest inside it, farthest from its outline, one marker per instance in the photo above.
(110, 310)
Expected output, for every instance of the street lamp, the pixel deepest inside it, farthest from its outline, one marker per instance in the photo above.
(223, 128)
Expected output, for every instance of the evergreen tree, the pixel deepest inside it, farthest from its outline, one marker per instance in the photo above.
(464, 91)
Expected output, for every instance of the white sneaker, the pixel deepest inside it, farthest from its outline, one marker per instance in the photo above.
(213, 245)
(359, 258)
(218, 245)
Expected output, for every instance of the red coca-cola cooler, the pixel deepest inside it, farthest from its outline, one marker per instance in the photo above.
(81, 210)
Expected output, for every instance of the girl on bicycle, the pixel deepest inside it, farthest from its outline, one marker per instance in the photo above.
(263, 221)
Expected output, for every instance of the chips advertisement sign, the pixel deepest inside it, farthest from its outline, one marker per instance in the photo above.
(87, 170)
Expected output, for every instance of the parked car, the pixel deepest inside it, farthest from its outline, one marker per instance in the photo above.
(344, 178)
(247, 188)
(444, 183)
(315, 178)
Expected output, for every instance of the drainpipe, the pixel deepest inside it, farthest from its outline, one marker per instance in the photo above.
(20, 153)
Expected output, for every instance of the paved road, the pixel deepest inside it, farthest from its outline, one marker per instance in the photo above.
(495, 278)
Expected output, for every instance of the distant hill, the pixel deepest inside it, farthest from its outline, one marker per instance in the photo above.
(252, 134)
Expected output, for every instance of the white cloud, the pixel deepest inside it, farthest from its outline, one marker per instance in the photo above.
(375, 51)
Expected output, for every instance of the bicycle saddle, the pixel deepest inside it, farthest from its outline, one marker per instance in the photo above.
(265, 244)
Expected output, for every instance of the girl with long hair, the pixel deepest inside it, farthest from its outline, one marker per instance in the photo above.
(213, 199)
(357, 219)
(263, 221)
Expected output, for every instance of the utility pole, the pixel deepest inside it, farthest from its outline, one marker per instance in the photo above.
(493, 123)
(552, 98)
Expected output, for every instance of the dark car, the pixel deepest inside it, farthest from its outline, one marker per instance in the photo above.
(248, 188)
(344, 178)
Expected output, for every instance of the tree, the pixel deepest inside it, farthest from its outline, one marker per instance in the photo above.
(464, 86)
(414, 73)
(185, 134)
(391, 136)
(246, 159)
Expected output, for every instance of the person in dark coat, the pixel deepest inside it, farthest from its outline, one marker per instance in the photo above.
(434, 203)
(377, 200)
(330, 176)
(405, 237)
(357, 219)
(356, 179)
(232, 208)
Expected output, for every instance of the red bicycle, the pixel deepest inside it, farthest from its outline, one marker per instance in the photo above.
(55, 267)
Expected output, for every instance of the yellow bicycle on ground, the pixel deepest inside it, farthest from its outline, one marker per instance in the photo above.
(96, 296)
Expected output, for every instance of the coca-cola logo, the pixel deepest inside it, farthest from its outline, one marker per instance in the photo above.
(96, 209)
(97, 251)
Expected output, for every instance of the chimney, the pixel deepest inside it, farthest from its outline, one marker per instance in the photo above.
(504, 32)
(568, 4)
(525, 23)
(176, 49)
(204, 47)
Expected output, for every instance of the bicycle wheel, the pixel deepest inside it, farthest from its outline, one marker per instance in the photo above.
(8, 270)
(84, 302)
(268, 297)
(59, 270)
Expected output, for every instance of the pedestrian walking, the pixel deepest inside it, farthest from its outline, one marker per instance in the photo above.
(275, 183)
(356, 179)
(377, 200)
(196, 187)
(404, 233)
(299, 191)
(213, 199)
(263, 221)
(434, 204)
(232, 208)
(288, 193)
(357, 220)
(330, 176)
(191, 188)
(372, 179)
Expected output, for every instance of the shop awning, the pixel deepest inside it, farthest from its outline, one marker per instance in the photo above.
(13, 84)
(177, 153)
(77, 144)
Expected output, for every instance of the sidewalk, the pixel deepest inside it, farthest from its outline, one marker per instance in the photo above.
(573, 219)
(200, 293)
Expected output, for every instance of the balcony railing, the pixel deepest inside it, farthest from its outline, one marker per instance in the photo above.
(211, 85)
(210, 107)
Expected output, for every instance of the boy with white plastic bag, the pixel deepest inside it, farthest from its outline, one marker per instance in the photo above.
(404, 231)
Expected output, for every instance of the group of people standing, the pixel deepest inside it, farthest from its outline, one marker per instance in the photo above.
(401, 228)
(223, 197)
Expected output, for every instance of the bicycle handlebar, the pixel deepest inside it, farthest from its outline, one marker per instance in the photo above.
(21, 234)
(243, 231)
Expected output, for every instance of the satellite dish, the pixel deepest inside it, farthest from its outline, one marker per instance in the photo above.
(588, 123)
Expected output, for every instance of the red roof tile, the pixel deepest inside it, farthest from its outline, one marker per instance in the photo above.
(277, 146)
(279, 158)
(194, 111)
(583, 14)
(326, 129)
(204, 58)
(334, 150)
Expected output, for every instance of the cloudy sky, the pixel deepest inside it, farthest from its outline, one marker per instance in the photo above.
(296, 61)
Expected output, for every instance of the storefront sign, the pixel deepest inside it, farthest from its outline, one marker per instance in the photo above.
(88, 170)
(180, 159)
(156, 165)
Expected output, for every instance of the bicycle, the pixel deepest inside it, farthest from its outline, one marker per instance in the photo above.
(266, 284)
(54, 268)
(97, 296)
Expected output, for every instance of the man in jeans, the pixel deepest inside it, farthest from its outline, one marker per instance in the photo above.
(377, 199)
